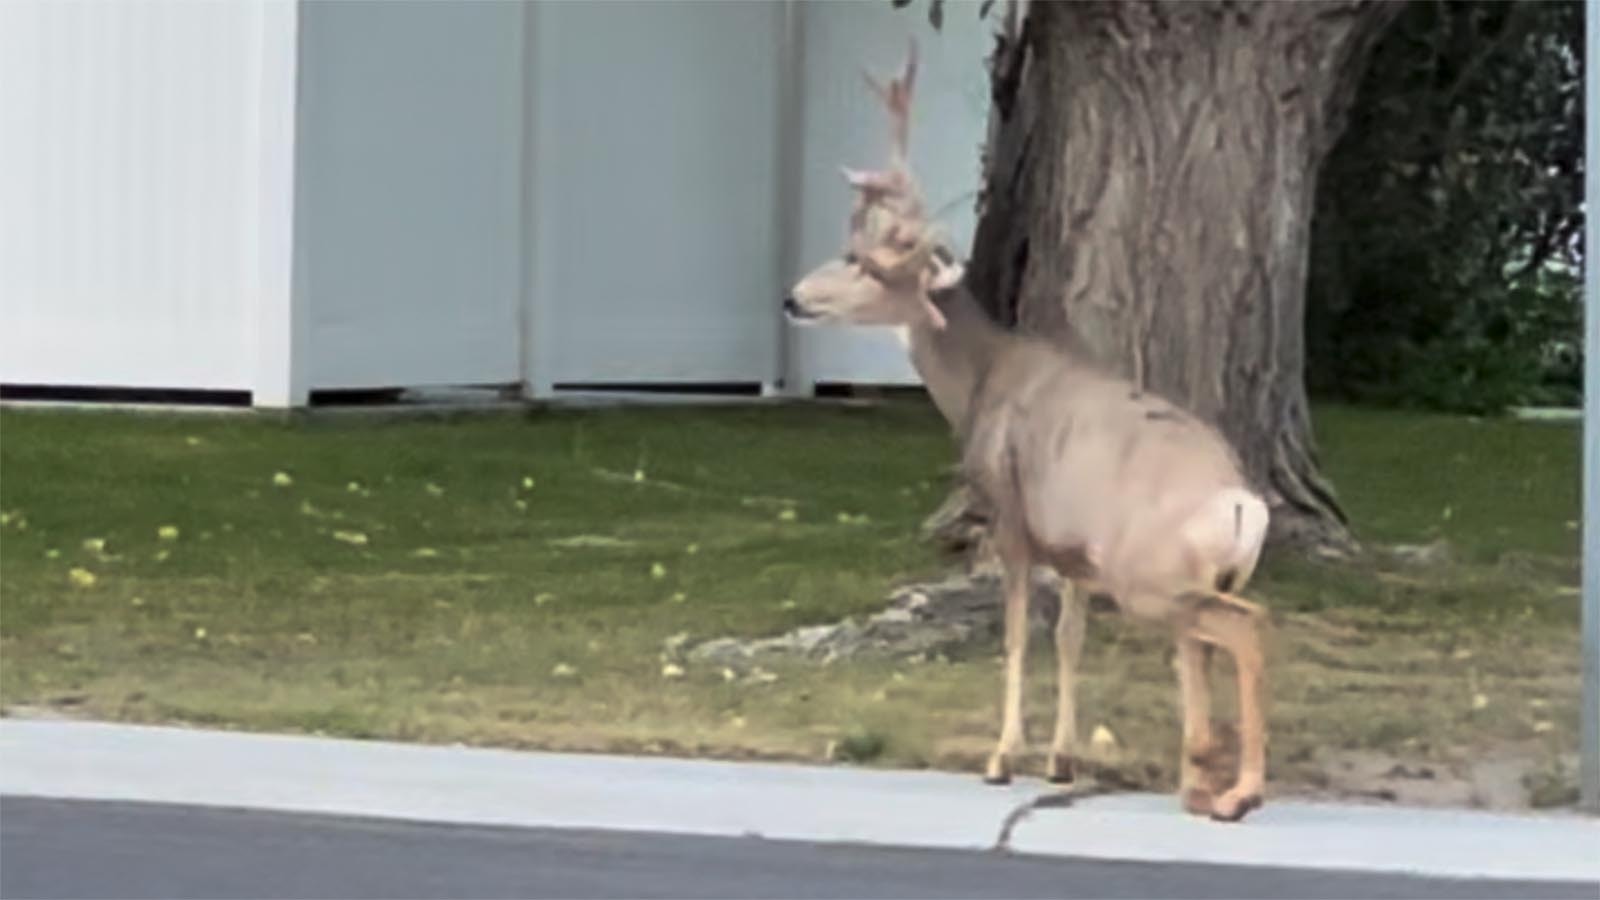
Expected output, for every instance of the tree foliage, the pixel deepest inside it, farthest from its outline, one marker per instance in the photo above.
(1448, 226)
(1447, 237)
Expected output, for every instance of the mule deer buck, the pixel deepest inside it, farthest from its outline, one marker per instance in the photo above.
(1119, 490)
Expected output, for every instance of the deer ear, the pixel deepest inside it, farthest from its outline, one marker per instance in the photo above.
(945, 275)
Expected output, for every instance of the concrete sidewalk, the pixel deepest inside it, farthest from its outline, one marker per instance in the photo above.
(80, 760)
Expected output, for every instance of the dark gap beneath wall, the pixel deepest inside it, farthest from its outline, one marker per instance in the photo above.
(464, 395)
(720, 388)
(356, 397)
(57, 393)
(867, 391)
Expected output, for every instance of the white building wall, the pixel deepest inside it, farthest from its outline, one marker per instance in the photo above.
(130, 220)
(408, 212)
(843, 124)
(654, 184)
(470, 192)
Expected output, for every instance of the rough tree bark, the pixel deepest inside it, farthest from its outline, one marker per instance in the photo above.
(1148, 188)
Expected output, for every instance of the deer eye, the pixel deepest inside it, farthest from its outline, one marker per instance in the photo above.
(850, 259)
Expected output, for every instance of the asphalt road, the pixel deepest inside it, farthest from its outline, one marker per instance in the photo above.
(75, 848)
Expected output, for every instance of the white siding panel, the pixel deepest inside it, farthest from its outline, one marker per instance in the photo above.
(127, 241)
(409, 207)
(844, 124)
(655, 180)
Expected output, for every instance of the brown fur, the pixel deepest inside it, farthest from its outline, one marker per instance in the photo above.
(1121, 491)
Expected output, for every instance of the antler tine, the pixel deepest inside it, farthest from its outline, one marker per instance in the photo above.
(896, 96)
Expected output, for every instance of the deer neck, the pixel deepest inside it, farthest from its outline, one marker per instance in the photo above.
(952, 359)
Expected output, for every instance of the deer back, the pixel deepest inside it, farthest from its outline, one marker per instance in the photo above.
(1085, 465)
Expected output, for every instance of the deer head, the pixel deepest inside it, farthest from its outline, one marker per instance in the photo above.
(893, 258)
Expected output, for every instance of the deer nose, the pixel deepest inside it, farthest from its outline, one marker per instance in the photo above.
(791, 306)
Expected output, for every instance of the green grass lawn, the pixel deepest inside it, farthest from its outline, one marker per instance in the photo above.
(510, 580)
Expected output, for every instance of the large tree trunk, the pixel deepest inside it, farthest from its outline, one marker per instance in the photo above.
(1148, 190)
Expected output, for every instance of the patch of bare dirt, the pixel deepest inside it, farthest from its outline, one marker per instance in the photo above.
(1504, 778)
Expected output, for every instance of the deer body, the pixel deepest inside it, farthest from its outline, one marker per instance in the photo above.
(1103, 463)
(1121, 491)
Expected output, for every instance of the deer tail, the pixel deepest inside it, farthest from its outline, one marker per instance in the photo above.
(1249, 519)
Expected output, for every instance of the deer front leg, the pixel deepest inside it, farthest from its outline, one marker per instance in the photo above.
(1235, 629)
(1070, 624)
(1016, 645)
(1194, 690)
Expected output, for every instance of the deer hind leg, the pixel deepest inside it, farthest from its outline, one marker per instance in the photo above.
(1012, 739)
(1232, 625)
(1070, 625)
(1194, 690)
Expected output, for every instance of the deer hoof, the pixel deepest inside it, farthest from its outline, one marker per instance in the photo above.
(1232, 806)
(1058, 769)
(998, 771)
(1197, 801)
